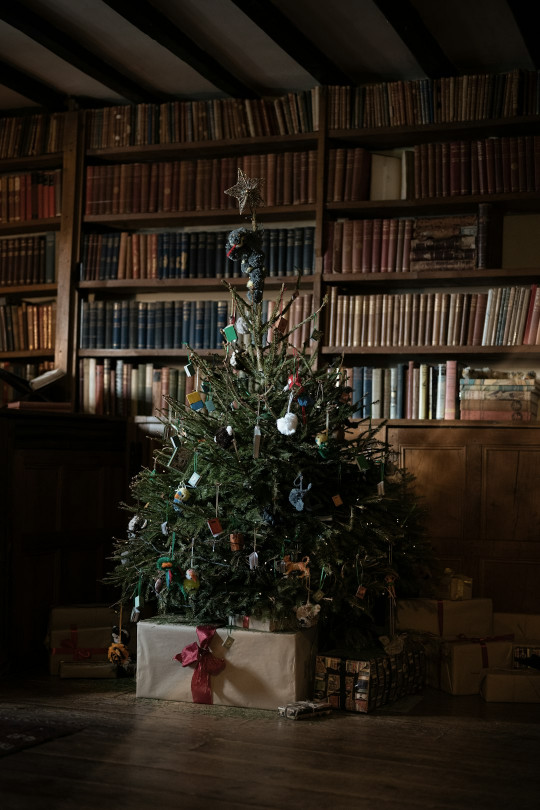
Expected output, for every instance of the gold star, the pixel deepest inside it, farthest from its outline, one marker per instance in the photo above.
(247, 191)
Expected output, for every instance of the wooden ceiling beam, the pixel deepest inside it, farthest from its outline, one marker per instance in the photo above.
(411, 29)
(32, 89)
(49, 36)
(525, 14)
(160, 28)
(290, 39)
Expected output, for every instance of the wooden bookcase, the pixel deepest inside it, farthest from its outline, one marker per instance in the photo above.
(73, 291)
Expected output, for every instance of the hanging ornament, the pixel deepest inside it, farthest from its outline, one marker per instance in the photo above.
(230, 333)
(118, 653)
(195, 477)
(242, 327)
(308, 615)
(301, 566)
(224, 437)
(196, 402)
(298, 493)
(136, 525)
(321, 440)
(215, 526)
(304, 401)
(237, 541)
(256, 441)
(237, 360)
(288, 423)
(158, 586)
(191, 580)
(253, 560)
(337, 500)
(189, 368)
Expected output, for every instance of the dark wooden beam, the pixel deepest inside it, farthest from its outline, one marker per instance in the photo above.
(156, 25)
(526, 19)
(32, 89)
(411, 29)
(32, 25)
(285, 34)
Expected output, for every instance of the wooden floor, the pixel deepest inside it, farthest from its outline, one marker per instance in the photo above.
(103, 748)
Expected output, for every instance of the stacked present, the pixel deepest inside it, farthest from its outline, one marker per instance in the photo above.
(371, 678)
(228, 666)
(469, 650)
(521, 684)
(78, 640)
(512, 397)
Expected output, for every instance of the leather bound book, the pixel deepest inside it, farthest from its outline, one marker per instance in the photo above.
(347, 241)
(367, 241)
(357, 243)
(376, 245)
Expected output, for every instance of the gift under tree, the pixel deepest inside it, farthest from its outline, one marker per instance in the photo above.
(265, 498)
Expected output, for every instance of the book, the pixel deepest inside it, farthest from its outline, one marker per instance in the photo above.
(385, 182)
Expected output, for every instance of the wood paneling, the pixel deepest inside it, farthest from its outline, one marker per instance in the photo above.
(481, 485)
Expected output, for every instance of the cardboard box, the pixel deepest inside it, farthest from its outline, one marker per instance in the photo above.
(524, 626)
(458, 666)
(369, 681)
(445, 617)
(262, 670)
(90, 669)
(511, 686)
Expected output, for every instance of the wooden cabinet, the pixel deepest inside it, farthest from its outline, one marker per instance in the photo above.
(481, 485)
(61, 483)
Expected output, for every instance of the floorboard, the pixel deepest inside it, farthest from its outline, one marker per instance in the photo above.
(113, 750)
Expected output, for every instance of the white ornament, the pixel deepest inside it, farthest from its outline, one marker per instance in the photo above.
(241, 326)
(287, 424)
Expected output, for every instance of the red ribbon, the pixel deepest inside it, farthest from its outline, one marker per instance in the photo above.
(483, 644)
(69, 646)
(205, 661)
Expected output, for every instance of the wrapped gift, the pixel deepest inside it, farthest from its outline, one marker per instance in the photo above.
(369, 680)
(457, 666)
(445, 617)
(524, 626)
(262, 625)
(454, 586)
(87, 669)
(523, 651)
(89, 644)
(224, 665)
(511, 686)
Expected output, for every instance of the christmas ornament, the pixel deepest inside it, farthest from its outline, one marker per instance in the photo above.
(224, 437)
(287, 424)
(158, 586)
(337, 500)
(191, 580)
(241, 326)
(215, 527)
(195, 401)
(175, 441)
(253, 560)
(230, 333)
(308, 615)
(321, 440)
(194, 479)
(247, 191)
(166, 564)
(136, 525)
(189, 368)
(118, 654)
(298, 493)
(256, 441)
(237, 360)
(304, 401)
(302, 566)
(237, 541)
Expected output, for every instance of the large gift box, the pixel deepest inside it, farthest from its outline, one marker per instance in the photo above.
(79, 633)
(511, 686)
(226, 666)
(454, 586)
(370, 679)
(523, 626)
(261, 624)
(446, 617)
(458, 666)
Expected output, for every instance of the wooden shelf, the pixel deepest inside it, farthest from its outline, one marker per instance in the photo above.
(30, 226)
(203, 285)
(29, 290)
(29, 162)
(434, 206)
(41, 354)
(450, 278)
(179, 219)
(443, 351)
(148, 354)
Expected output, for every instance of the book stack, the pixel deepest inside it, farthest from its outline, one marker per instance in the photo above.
(31, 195)
(506, 397)
(27, 260)
(444, 243)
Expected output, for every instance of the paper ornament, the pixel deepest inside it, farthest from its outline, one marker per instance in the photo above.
(287, 424)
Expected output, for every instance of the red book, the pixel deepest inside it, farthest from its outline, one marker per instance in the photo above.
(357, 242)
(89, 192)
(533, 316)
(481, 163)
(465, 167)
(337, 247)
(367, 240)
(338, 180)
(480, 314)
(376, 244)
(136, 170)
(361, 168)
(455, 170)
(385, 237)
(445, 169)
(514, 163)
(392, 245)
(407, 236)
(451, 397)
(346, 260)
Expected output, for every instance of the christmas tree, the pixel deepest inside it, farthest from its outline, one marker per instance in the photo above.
(265, 499)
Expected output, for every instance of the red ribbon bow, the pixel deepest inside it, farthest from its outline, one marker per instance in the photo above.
(206, 664)
(69, 645)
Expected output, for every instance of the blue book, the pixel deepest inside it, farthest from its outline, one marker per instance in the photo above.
(182, 256)
(142, 317)
(221, 260)
(308, 258)
(114, 254)
(50, 258)
(367, 392)
(221, 322)
(298, 251)
(109, 315)
(199, 324)
(132, 325)
(358, 391)
(185, 308)
(92, 325)
(192, 323)
(168, 325)
(282, 252)
(210, 262)
(400, 391)
(193, 254)
(100, 325)
(272, 261)
(290, 260)
(158, 325)
(202, 239)
(164, 249)
(84, 326)
(213, 324)
(116, 326)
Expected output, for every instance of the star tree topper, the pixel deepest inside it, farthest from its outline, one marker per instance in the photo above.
(247, 191)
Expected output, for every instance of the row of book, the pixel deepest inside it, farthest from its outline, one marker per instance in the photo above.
(509, 396)
(133, 324)
(399, 245)
(30, 195)
(473, 97)
(198, 185)
(26, 371)
(505, 165)
(28, 260)
(119, 388)
(28, 135)
(503, 316)
(189, 254)
(208, 120)
(27, 327)
(408, 390)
